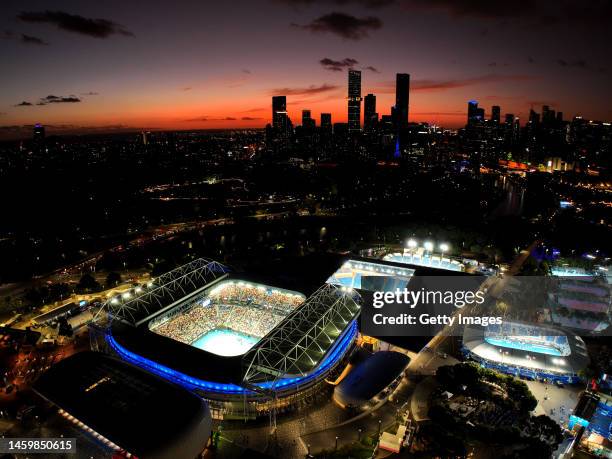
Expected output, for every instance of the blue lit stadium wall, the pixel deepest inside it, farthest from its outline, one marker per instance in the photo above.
(342, 345)
(521, 371)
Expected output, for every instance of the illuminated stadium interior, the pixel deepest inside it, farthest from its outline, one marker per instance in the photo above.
(527, 350)
(420, 257)
(527, 338)
(242, 345)
(371, 276)
(228, 319)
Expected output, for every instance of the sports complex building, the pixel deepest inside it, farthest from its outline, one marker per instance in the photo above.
(247, 347)
(527, 350)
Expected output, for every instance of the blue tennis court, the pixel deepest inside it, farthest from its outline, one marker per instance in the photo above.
(523, 346)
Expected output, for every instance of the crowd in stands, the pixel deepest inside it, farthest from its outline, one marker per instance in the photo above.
(247, 309)
(525, 335)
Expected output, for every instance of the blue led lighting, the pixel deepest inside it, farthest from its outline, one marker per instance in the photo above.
(342, 344)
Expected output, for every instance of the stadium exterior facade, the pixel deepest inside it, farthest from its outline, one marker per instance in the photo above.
(284, 368)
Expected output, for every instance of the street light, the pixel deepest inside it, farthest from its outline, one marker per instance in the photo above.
(428, 246)
(412, 243)
(336, 447)
(444, 247)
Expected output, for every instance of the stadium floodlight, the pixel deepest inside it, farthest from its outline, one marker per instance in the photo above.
(412, 243)
(428, 246)
(444, 247)
(138, 289)
(126, 295)
(115, 300)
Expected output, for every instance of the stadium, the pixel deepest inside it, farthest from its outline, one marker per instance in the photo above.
(420, 257)
(526, 350)
(365, 275)
(246, 347)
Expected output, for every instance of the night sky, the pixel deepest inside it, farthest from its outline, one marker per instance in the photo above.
(87, 66)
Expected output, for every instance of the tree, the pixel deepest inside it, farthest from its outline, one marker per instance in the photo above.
(113, 279)
(88, 283)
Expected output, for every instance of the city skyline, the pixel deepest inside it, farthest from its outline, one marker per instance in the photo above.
(132, 68)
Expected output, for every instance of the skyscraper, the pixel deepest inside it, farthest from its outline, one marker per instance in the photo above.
(475, 115)
(38, 134)
(370, 117)
(354, 101)
(307, 121)
(326, 124)
(496, 114)
(279, 113)
(402, 94)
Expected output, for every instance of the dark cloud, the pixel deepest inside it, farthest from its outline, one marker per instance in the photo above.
(246, 71)
(90, 93)
(366, 3)
(579, 64)
(51, 99)
(23, 104)
(344, 25)
(531, 60)
(186, 88)
(250, 118)
(310, 90)
(97, 28)
(338, 66)
(23, 38)
(31, 40)
(372, 69)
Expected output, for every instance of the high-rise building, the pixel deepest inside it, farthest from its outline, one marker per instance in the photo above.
(548, 116)
(279, 113)
(326, 124)
(307, 121)
(402, 95)
(354, 101)
(370, 117)
(509, 119)
(534, 117)
(475, 115)
(39, 133)
(496, 114)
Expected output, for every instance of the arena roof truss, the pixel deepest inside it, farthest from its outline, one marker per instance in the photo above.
(301, 341)
(141, 303)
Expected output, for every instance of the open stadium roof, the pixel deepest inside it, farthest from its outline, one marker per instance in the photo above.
(142, 303)
(531, 356)
(301, 341)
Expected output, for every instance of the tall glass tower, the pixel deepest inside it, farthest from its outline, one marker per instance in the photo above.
(354, 101)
